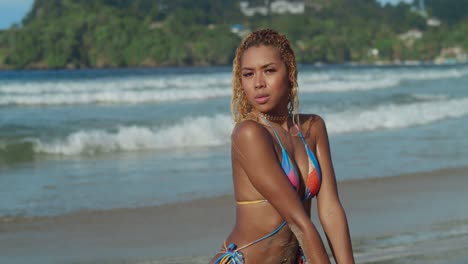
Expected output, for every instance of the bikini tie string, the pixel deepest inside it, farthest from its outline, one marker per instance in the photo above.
(230, 255)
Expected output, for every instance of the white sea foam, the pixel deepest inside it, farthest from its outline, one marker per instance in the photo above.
(191, 132)
(116, 91)
(431, 74)
(170, 88)
(370, 79)
(215, 130)
(114, 97)
(392, 116)
(347, 85)
(186, 81)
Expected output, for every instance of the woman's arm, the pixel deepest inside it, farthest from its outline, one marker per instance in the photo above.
(253, 148)
(331, 213)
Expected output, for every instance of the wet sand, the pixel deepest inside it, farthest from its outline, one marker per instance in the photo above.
(385, 209)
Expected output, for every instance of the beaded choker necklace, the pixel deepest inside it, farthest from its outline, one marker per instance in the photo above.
(274, 118)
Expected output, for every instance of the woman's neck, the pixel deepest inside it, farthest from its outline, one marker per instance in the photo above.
(274, 117)
(280, 120)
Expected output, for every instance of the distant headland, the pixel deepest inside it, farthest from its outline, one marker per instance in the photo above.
(148, 33)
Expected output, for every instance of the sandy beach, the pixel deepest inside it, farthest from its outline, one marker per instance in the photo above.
(420, 217)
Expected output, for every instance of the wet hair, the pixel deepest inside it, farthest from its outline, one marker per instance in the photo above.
(240, 107)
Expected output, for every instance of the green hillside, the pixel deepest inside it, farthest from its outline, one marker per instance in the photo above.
(149, 33)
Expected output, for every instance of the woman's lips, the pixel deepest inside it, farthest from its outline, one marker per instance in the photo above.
(261, 99)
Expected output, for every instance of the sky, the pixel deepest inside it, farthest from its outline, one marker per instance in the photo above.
(13, 11)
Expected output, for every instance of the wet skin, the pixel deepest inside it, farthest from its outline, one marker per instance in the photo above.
(257, 173)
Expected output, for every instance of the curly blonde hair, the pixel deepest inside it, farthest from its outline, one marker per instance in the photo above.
(240, 107)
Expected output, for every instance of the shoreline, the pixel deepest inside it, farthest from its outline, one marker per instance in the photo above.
(229, 66)
(170, 233)
(223, 197)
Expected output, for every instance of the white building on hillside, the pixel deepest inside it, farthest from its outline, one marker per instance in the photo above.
(273, 6)
(433, 22)
(411, 36)
(283, 7)
(248, 10)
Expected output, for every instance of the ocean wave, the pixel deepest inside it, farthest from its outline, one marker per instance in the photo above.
(17, 151)
(116, 90)
(348, 85)
(392, 116)
(180, 87)
(187, 81)
(429, 97)
(206, 131)
(431, 74)
(113, 97)
(449, 238)
(362, 80)
(189, 133)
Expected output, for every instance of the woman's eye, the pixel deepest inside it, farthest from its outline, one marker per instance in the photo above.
(247, 74)
(270, 70)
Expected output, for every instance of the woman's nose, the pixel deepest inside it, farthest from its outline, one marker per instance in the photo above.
(259, 81)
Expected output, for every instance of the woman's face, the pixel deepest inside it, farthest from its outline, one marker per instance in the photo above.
(264, 79)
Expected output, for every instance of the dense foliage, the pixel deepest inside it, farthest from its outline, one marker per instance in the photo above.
(147, 33)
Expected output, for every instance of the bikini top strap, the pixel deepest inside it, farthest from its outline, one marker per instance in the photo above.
(274, 131)
(300, 134)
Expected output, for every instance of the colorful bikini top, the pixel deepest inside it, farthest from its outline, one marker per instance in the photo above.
(231, 254)
(314, 177)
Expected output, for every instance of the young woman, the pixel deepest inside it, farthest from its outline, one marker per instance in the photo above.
(280, 160)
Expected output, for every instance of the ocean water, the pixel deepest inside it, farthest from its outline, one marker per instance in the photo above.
(101, 139)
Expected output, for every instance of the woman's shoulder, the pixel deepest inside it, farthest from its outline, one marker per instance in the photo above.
(312, 124)
(248, 129)
(249, 136)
